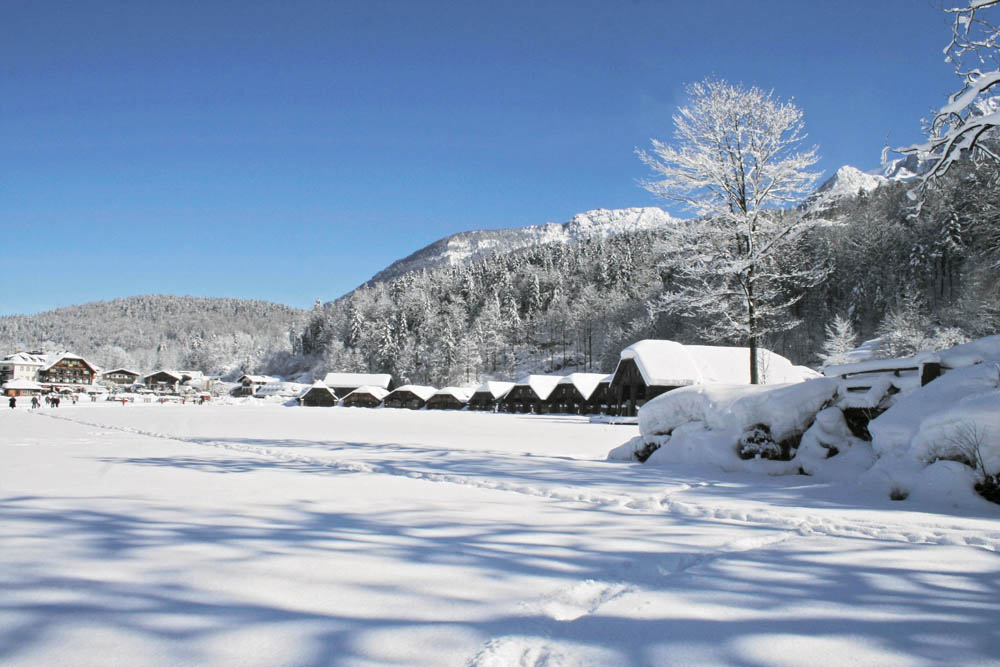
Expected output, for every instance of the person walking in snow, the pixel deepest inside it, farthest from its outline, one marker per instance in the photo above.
(34, 403)
(13, 401)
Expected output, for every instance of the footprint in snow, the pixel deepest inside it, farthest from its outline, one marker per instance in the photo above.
(580, 599)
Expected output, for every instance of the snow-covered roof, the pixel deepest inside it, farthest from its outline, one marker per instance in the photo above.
(22, 385)
(542, 385)
(174, 374)
(25, 359)
(358, 379)
(256, 379)
(280, 388)
(495, 388)
(53, 359)
(421, 391)
(668, 363)
(585, 383)
(462, 394)
(121, 370)
(371, 390)
(318, 384)
(878, 365)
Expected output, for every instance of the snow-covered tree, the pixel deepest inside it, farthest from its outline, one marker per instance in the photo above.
(736, 162)
(840, 340)
(960, 126)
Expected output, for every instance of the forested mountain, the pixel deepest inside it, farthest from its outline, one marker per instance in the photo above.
(920, 276)
(157, 331)
(478, 244)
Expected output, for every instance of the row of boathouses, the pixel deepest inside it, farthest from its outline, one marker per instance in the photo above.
(645, 370)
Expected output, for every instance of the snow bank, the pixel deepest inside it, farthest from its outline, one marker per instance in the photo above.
(935, 441)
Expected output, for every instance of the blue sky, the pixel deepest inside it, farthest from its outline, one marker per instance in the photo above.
(288, 151)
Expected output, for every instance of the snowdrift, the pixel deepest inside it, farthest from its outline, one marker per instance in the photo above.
(937, 441)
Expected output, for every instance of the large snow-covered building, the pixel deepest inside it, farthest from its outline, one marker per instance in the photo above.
(651, 367)
(60, 370)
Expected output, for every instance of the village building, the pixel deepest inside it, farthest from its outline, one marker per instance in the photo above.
(170, 381)
(411, 396)
(344, 383)
(318, 395)
(365, 397)
(249, 384)
(67, 371)
(574, 394)
(489, 393)
(121, 377)
(530, 394)
(22, 388)
(22, 366)
(449, 398)
(651, 367)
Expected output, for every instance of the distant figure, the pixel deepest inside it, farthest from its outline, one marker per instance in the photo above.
(123, 402)
(55, 402)
(34, 403)
(13, 401)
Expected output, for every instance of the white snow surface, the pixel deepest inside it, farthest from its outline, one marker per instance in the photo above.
(257, 534)
(461, 393)
(377, 392)
(672, 364)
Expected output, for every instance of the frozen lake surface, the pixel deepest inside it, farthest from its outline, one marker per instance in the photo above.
(266, 535)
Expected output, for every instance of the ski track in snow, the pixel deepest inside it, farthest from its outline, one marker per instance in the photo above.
(661, 503)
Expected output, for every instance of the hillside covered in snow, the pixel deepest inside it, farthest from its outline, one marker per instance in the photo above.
(470, 246)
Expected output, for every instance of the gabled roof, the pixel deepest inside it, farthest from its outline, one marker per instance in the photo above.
(371, 390)
(421, 391)
(26, 359)
(257, 379)
(121, 370)
(53, 359)
(667, 363)
(173, 374)
(585, 383)
(318, 385)
(495, 388)
(542, 385)
(462, 394)
(358, 379)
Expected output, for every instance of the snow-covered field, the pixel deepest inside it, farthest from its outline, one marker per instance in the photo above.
(170, 534)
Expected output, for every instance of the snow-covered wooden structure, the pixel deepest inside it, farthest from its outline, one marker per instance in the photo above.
(488, 394)
(21, 388)
(121, 377)
(530, 394)
(249, 384)
(449, 398)
(344, 383)
(22, 366)
(411, 396)
(67, 370)
(651, 367)
(318, 396)
(365, 397)
(574, 394)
